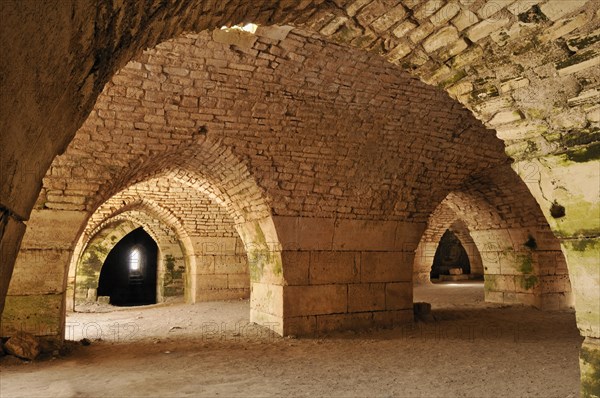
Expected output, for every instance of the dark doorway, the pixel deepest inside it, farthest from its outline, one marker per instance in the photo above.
(128, 275)
(450, 254)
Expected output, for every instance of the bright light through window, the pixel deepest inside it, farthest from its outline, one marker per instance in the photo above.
(249, 27)
(134, 260)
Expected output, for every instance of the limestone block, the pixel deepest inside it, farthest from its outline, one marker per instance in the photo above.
(514, 84)
(205, 265)
(389, 19)
(385, 267)
(295, 267)
(272, 322)
(428, 9)
(399, 296)
(334, 267)
(556, 9)
(591, 96)
(338, 322)
(408, 236)
(494, 297)
(238, 281)
(492, 7)
(303, 233)
(355, 6)
(399, 52)
(210, 282)
(402, 30)
(300, 326)
(486, 27)
(460, 88)
(268, 298)
(333, 26)
(505, 117)
(445, 14)
(464, 19)
(231, 265)
(315, 300)
(520, 130)
(222, 294)
(10, 242)
(442, 38)
(578, 63)
(364, 235)
(366, 297)
(41, 315)
(421, 32)
(53, 229)
(564, 27)
(582, 256)
(39, 271)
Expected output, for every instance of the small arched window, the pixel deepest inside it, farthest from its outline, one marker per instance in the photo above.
(134, 260)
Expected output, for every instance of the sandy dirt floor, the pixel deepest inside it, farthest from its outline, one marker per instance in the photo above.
(471, 349)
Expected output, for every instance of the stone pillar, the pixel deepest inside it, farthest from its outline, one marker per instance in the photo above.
(524, 266)
(567, 187)
(11, 234)
(221, 269)
(424, 257)
(589, 363)
(346, 274)
(36, 295)
(583, 257)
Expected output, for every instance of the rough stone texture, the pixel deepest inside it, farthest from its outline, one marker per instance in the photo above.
(35, 296)
(589, 359)
(11, 233)
(520, 69)
(520, 257)
(23, 345)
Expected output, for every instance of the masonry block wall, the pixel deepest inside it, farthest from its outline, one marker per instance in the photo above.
(541, 100)
(221, 267)
(346, 274)
(442, 219)
(36, 297)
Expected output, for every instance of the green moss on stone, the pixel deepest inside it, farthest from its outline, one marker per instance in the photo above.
(576, 59)
(582, 245)
(455, 78)
(590, 371)
(586, 154)
(583, 42)
(529, 282)
(525, 263)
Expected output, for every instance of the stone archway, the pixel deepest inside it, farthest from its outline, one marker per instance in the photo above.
(437, 225)
(436, 50)
(171, 266)
(520, 257)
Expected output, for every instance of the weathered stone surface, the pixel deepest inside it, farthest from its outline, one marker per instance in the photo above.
(486, 27)
(556, 9)
(23, 345)
(442, 38)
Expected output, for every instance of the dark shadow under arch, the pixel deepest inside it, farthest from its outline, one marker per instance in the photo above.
(129, 273)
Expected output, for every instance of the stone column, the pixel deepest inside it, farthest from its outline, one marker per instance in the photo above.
(11, 234)
(346, 274)
(35, 301)
(567, 187)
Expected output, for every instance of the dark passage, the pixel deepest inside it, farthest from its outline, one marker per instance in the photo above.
(128, 275)
(449, 254)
